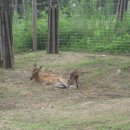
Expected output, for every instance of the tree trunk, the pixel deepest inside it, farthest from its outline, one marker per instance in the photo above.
(34, 24)
(121, 8)
(1, 56)
(6, 38)
(53, 45)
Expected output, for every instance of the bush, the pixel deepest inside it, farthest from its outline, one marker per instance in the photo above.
(22, 36)
(22, 31)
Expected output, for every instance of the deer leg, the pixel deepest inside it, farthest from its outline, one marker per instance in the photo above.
(77, 83)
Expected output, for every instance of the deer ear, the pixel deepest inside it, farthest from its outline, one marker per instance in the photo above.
(35, 65)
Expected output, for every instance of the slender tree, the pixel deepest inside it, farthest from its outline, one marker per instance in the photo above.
(122, 6)
(53, 45)
(1, 56)
(6, 37)
(34, 24)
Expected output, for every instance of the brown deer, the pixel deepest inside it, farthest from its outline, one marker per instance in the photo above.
(74, 79)
(46, 78)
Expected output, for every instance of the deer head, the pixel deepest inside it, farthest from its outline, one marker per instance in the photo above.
(35, 72)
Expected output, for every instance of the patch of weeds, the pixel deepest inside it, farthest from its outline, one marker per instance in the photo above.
(98, 72)
(122, 126)
(29, 125)
(79, 64)
(115, 122)
(27, 59)
(44, 120)
(54, 124)
(111, 61)
(40, 125)
(125, 66)
(3, 92)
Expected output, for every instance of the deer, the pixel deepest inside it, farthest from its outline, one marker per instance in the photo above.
(51, 79)
(46, 78)
(74, 79)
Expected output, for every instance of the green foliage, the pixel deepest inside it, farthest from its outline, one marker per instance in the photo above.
(42, 28)
(22, 36)
(95, 30)
(22, 31)
(83, 26)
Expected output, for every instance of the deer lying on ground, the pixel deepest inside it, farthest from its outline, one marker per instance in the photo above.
(51, 79)
(46, 78)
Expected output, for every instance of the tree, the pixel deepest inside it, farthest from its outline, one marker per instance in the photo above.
(34, 24)
(1, 57)
(6, 37)
(122, 6)
(53, 45)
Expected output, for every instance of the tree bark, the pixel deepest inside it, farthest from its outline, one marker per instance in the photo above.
(6, 37)
(121, 8)
(1, 56)
(34, 24)
(53, 44)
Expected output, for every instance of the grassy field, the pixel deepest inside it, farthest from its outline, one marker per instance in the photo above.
(102, 103)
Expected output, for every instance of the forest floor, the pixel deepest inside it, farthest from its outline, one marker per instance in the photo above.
(102, 103)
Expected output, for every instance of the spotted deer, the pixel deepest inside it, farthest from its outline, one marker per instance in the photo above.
(51, 79)
(46, 78)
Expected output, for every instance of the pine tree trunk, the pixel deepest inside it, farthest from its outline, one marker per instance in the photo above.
(6, 38)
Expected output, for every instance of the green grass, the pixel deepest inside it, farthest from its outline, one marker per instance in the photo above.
(122, 126)
(98, 72)
(79, 64)
(34, 57)
(56, 122)
(126, 65)
(28, 59)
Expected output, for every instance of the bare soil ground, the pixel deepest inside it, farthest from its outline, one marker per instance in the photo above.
(102, 103)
